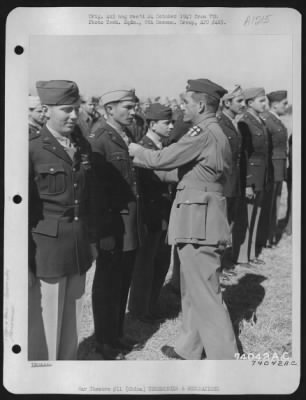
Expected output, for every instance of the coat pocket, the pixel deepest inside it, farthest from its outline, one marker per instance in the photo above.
(47, 227)
(191, 214)
(51, 179)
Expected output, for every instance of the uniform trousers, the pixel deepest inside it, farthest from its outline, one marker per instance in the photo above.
(148, 276)
(175, 266)
(251, 210)
(110, 290)
(54, 317)
(232, 216)
(274, 210)
(206, 323)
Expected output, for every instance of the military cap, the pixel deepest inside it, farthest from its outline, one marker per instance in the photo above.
(119, 95)
(157, 112)
(237, 91)
(278, 95)
(206, 86)
(33, 101)
(251, 93)
(58, 92)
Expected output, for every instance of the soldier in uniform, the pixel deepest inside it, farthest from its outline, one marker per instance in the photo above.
(255, 149)
(198, 223)
(232, 105)
(36, 116)
(149, 273)
(278, 104)
(59, 239)
(88, 115)
(119, 238)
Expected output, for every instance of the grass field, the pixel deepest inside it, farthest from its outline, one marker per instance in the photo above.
(259, 302)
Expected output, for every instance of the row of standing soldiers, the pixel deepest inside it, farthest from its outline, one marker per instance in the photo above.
(85, 187)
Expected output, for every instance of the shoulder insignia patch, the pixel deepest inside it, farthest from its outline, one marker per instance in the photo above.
(194, 131)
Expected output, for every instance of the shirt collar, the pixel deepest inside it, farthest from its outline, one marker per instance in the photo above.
(60, 138)
(228, 115)
(157, 144)
(274, 113)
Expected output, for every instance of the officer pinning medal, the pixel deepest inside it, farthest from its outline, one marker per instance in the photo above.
(145, 209)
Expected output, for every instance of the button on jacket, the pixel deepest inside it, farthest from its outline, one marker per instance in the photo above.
(256, 147)
(203, 156)
(232, 187)
(279, 137)
(59, 206)
(117, 175)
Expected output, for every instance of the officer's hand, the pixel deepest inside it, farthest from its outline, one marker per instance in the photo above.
(133, 147)
(249, 193)
(31, 279)
(107, 243)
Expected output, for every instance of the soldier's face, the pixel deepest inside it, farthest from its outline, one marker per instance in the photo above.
(189, 107)
(123, 112)
(258, 104)
(280, 107)
(237, 105)
(63, 118)
(37, 115)
(162, 127)
(90, 107)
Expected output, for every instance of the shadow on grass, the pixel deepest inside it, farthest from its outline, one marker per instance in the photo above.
(242, 300)
(169, 308)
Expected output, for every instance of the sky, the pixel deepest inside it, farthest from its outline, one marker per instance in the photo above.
(160, 65)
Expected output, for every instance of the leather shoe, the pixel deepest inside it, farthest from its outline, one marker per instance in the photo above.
(257, 261)
(169, 352)
(126, 345)
(109, 352)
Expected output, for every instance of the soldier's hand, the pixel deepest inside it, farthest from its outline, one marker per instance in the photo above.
(249, 193)
(133, 147)
(31, 279)
(107, 243)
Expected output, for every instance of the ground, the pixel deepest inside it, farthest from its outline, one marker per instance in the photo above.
(258, 299)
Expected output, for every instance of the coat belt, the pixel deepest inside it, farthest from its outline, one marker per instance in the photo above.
(202, 186)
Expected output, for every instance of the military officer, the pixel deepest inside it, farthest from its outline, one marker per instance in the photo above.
(59, 240)
(88, 115)
(149, 273)
(255, 148)
(278, 105)
(119, 238)
(232, 105)
(36, 116)
(198, 223)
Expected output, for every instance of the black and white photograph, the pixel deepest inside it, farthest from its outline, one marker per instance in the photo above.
(157, 200)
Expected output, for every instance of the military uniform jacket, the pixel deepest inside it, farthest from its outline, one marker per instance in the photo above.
(59, 204)
(256, 149)
(154, 194)
(118, 177)
(279, 137)
(202, 156)
(232, 187)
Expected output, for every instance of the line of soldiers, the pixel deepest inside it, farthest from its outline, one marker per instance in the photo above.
(199, 180)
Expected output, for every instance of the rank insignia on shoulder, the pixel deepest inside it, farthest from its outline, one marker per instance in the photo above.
(194, 131)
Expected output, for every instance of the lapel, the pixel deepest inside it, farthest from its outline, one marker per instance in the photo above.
(115, 137)
(228, 123)
(255, 121)
(276, 120)
(52, 145)
(148, 143)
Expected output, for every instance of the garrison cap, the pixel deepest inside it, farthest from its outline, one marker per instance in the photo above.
(33, 102)
(119, 95)
(157, 112)
(237, 91)
(58, 92)
(206, 86)
(278, 95)
(251, 93)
